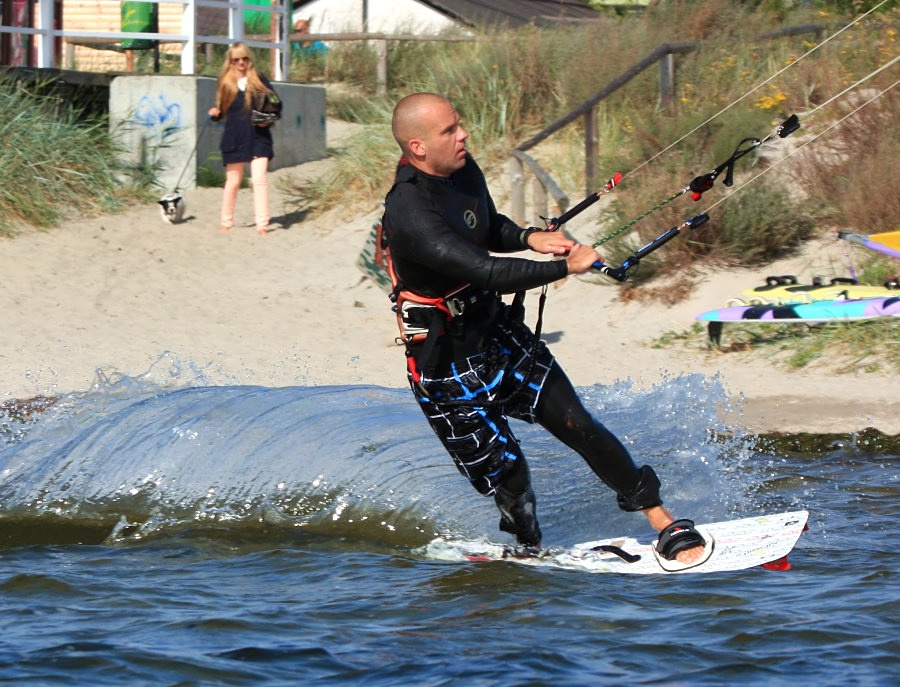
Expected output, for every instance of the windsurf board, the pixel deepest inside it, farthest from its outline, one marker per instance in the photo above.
(891, 239)
(807, 313)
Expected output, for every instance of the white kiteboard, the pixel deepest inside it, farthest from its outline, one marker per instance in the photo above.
(763, 540)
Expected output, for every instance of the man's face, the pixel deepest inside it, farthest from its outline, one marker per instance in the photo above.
(445, 141)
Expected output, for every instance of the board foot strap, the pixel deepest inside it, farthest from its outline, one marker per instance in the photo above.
(620, 552)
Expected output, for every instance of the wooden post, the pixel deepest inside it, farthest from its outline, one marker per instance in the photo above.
(538, 202)
(517, 190)
(381, 77)
(666, 81)
(590, 149)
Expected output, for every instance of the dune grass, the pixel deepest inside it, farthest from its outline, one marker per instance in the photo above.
(871, 346)
(54, 163)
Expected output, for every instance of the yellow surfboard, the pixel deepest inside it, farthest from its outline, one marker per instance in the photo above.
(784, 290)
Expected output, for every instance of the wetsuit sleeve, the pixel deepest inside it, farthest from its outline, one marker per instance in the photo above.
(506, 235)
(424, 245)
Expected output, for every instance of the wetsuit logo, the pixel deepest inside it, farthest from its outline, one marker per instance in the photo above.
(470, 219)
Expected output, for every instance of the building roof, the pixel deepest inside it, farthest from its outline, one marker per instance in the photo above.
(513, 13)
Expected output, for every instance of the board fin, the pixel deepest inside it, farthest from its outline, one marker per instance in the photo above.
(779, 564)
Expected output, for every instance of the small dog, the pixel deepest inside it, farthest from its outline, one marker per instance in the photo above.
(172, 207)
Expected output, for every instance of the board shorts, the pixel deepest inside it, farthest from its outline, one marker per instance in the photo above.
(469, 409)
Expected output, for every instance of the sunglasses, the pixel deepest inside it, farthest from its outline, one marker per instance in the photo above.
(235, 60)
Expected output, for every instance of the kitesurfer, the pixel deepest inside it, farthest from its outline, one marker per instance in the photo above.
(472, 362)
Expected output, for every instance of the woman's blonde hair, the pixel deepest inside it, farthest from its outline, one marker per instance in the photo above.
(227, 88)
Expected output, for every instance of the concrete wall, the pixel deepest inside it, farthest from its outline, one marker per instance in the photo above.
(159, 119)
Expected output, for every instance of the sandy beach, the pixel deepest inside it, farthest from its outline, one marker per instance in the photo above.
(130, 294)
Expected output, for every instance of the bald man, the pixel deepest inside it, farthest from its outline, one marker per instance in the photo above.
(472, 362)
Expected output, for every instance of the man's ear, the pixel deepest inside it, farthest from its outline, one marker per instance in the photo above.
(417, 147)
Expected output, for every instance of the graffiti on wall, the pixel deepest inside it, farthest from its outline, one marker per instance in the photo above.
(157, 116)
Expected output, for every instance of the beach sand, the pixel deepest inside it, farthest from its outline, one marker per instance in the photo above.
(130, 294)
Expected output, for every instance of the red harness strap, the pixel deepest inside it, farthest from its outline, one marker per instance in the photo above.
(420, 318)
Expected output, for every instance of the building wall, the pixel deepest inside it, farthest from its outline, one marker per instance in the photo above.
(385, 16)
(97, 15)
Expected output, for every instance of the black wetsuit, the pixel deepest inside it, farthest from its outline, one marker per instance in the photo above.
(486, 366)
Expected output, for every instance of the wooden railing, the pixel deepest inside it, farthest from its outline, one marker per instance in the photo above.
(542, 182)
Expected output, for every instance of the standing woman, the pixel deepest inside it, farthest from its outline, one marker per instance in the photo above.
(243, 141)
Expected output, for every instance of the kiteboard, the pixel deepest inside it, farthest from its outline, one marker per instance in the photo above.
(818, 311)
(784, 290)
(764, 540)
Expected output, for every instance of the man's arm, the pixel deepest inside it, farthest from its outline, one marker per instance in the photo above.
(424, 246)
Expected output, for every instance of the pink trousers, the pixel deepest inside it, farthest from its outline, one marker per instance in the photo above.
(259, 180)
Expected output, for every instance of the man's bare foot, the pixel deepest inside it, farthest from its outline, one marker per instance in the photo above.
(660, 518)
(224, 229)
(691, 555)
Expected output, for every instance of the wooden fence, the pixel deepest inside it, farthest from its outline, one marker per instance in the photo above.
(520, 165)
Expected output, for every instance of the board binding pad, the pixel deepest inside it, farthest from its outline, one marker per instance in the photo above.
(731, 545)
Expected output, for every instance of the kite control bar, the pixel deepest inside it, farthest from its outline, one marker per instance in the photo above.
(621, 273)
(557, 222)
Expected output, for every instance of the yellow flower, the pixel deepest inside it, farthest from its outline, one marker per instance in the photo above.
(769, 102)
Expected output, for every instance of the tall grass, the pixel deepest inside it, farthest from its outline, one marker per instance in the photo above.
(53, 163)
(509, 84)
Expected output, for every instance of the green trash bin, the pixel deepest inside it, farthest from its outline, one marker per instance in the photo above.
(139, 17)
(257, 22)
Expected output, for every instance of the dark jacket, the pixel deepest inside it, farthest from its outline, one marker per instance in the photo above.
(241, 141)
(441, 233)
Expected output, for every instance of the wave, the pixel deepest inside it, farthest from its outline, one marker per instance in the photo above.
(130, 461)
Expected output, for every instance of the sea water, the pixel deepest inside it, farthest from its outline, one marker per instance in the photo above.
(241, 535)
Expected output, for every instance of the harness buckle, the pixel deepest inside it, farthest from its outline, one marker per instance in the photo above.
(456, 306)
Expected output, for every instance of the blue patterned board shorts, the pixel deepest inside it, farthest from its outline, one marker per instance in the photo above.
(476, 433)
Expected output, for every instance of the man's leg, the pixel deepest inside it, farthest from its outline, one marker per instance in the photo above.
(518, 505)
(485, 450)
(562, 413)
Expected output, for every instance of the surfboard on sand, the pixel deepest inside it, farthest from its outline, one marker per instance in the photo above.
(763, 540)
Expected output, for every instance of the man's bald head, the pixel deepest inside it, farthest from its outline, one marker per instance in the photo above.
(427, 129)
(413, 117)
